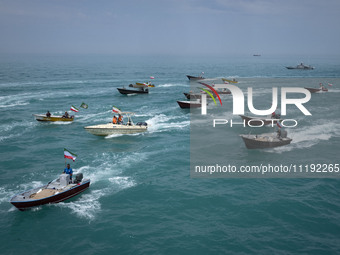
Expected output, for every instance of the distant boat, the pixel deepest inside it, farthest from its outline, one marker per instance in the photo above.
(257, 55)
(140, 90)
(43, 117)
(229, 81)
(196, 78)
(264, 141)
(55, 191)
(301, 67)
(314, 90)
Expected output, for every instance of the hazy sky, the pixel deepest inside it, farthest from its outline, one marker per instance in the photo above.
(170, 26)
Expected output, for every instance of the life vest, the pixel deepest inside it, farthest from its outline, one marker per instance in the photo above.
(120, 118)
(114, 120)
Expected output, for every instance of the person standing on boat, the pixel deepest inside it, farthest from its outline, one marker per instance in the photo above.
(114, 120)
(48, 114)
(68, 170)
(120, 119)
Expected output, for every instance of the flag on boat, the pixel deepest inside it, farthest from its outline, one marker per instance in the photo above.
(279, 124)
(151, 77)
(75, 109)
(69, 155)
(116, 110)
(83, 105)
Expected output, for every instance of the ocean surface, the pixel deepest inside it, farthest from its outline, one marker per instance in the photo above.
(142, 199)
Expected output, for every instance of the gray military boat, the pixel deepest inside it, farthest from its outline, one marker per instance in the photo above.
(268, 140)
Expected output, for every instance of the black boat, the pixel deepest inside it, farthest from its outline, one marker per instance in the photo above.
(55, 191)
(195, 78)
(189, 104)
(125, 91)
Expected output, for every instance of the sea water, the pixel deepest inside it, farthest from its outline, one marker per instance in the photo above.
(142, 199)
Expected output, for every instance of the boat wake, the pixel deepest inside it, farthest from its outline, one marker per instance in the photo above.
(14, 129)
(104, 182)
(161, 123)
(168, 85)
(310, 136)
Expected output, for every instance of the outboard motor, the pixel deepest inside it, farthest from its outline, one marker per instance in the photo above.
(79, 178)
(142, 124)
(284, 134)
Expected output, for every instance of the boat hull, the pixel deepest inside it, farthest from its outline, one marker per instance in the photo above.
(253, 142)
(41, 117)
(24, 205)
(313, 90)
(132, 91)
(229, 81)
(194, 78)
(110, 129)
(189, 104)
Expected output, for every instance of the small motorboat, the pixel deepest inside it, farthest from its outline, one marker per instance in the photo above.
(313, 90)
(140, 90)
(55, 191)
(196, 78)
(110, 128)
(229, 81)
(189, 104)
(301, 67)
(264, 141)
(53, 118)
(258, 122)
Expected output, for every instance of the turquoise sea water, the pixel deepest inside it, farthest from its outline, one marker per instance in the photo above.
(142, 199)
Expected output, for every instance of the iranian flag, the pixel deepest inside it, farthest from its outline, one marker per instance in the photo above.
(116, 110)
(69, 155)
(73, 108)
(279, 124)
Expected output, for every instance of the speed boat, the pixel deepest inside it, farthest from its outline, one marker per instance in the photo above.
(140, 90)
(314, 90)
(229, 81)
(53, 118)
(110, 128)
(195, 78)
(55, 191)
(269, 140)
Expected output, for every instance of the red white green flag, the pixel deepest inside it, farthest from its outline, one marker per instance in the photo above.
(73, 108)
(69, 155)
(116, 110)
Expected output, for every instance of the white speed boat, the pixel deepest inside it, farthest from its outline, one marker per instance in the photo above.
(109, 128)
